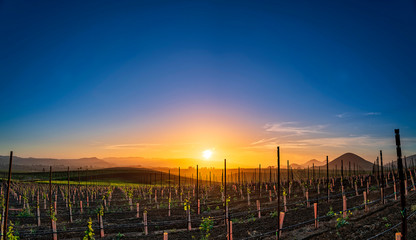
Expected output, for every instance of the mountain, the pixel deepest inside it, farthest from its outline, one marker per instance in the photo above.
(352, 158)
(37, 164)
(296, 166)
(312, 162)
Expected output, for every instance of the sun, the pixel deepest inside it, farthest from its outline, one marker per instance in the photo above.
(207, 154)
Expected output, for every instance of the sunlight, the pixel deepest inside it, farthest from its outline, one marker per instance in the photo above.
(207, 154)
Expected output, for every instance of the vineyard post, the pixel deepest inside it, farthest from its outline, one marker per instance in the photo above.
(180, 190)
(402, 190)
(169, 184)
(382, 177)
(342, 176)
(197, 187)
(259, 181)
(230, 236)
(69, 199)
(365, 201)
(313, 173)
(37, 209)
(378, 171)
(53, 222)
(278, 189)
(7, 196)
(315, 208)
(145, 222)
(327, 176)
(288, 180)
(225, 194)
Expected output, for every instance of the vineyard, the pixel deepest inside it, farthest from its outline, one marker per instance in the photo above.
(243, 204)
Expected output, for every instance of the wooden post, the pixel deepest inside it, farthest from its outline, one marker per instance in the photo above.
(395, 191)
(169, 206)
(284, 203)
(165, 236)
(225, 192)
(145, 222)
(315, 208)
(138, 210)
(398, 236)
(382, 195)
(231, 231)
(344, 206)
(307, 199)
(80, 207)
(258, 208)
(365, 201)
(199, 207)
(278, 187)
(248, 196)
(7, 196)
(327, 177)
(402, 184)
(188, 214)
(54, 232)
(101, 226)
(37, 210)
(281, 218)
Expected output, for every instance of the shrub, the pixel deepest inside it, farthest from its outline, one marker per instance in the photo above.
(89, 233)
(206, 225)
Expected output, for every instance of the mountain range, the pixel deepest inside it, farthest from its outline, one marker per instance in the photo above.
(347, 158)
(39, 164)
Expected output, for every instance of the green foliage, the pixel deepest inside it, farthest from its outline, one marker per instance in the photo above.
(206, 225)
(341, 221)
(186, 205)
(413, 207)
(373, 188)
(251, 218)
(119, 236)
(89, 233)
(52, 214)
(25, 213)
(100, 210)
(217, 208)
(330, 213)
(10, 233)
(273, 214)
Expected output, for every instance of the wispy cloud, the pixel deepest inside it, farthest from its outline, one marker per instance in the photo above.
(131, 146)
(327, 142)
(342, 115)
(293, 128)
(264, 140)
(372, 113)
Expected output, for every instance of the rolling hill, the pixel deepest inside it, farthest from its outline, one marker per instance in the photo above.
(352, 158)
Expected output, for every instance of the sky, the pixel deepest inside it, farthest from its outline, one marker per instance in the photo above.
(170, 79)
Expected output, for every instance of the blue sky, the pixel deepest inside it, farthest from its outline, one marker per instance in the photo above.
(80, 77)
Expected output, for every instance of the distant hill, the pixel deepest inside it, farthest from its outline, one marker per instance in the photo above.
(352, 158)
(296, 166)
(314, 161)
(38, 164)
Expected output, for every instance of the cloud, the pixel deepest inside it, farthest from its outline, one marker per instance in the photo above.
(131, 146)
(372, 114)
(291, 129)
(327, 142)
(263, 140)
(342, 115)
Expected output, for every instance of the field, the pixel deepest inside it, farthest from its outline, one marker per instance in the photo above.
(121, 198)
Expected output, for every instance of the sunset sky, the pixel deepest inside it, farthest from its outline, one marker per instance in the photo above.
(170, 79)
